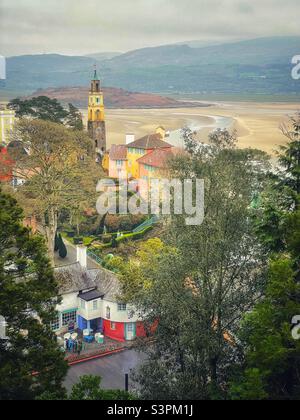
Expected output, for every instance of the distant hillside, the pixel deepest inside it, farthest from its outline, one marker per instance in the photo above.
(113, 97)
(260, 66)
(104, 55)
(254, 67)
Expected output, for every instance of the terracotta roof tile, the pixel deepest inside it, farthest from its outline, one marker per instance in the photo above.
(152, 141)
(118, 152)
(158, 158)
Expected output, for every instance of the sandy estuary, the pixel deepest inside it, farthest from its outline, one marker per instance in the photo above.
(257, 124)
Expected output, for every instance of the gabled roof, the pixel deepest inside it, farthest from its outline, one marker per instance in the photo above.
(118, 152)
(152, 141)
(158, 158)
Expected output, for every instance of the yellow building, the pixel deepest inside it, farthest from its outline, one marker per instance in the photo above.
(140, 148)
(105, 162)
(7, 120)
(96, 116)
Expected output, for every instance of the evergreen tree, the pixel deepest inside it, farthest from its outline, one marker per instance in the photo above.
(41, 107)
(56, 243)
(89, 389)
(289, 158)
(74, 118)
(62, 249)
(271, 350)
(28, 297)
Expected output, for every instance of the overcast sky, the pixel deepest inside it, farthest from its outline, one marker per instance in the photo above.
(86, 26)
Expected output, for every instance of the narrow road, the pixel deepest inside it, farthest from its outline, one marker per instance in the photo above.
(112, 369)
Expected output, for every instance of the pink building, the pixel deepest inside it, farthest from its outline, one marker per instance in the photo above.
(118, 161)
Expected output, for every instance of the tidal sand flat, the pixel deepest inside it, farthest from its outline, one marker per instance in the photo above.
(257, 124)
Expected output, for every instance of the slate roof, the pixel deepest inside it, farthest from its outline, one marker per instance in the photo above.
(108, 284)
(92, 295)
(74, 279)
(118, 152)
(152, 141)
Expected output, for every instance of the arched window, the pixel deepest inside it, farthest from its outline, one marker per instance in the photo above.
(98, 114)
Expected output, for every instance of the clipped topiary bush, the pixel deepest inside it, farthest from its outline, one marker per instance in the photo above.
(106, 239)
(62, 251)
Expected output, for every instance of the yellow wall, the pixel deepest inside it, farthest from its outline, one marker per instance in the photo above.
(96, 107)
(161, 131)
(7, 120)
(133, 168)
(105, 162)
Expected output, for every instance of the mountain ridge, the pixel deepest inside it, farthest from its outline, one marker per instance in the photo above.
(255, 66)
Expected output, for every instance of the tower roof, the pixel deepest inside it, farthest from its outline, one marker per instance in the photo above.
(95, 74)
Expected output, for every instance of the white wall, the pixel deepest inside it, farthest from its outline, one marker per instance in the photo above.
(118, 316)
(89, 312)
(70, 301)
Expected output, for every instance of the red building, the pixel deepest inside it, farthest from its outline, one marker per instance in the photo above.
(6, 166)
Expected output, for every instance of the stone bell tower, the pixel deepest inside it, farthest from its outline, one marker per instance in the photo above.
(96, 117)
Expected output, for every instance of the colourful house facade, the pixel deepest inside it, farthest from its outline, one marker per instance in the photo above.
(118, 162)
(7, 121)
(89, 301)
(6, 165)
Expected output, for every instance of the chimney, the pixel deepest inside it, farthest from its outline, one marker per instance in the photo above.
(130, 138)
(82, 256)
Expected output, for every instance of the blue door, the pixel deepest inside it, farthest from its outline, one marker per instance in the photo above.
(130, 331)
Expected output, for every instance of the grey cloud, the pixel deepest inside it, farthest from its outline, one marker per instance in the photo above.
(79, 27)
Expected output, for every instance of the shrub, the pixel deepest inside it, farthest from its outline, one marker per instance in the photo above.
(106, 239)
(62, 250)
(56, 243)
(78, 240)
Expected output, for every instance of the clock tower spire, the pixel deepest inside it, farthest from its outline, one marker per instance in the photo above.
(96, 116)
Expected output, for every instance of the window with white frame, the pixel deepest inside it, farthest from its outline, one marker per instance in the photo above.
(68, 317)
(122, 306)
(82, 304)
(113, 326)
(55, 324)
(95, 305)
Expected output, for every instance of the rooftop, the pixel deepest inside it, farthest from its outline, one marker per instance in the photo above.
(118, 152)
(75, 279)
(92, 295)
(152, 141)
(158, 158)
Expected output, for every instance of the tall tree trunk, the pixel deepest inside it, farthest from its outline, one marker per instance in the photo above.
(51, 222)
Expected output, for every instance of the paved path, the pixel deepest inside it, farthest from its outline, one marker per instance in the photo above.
(72, 257)
(112, 369)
